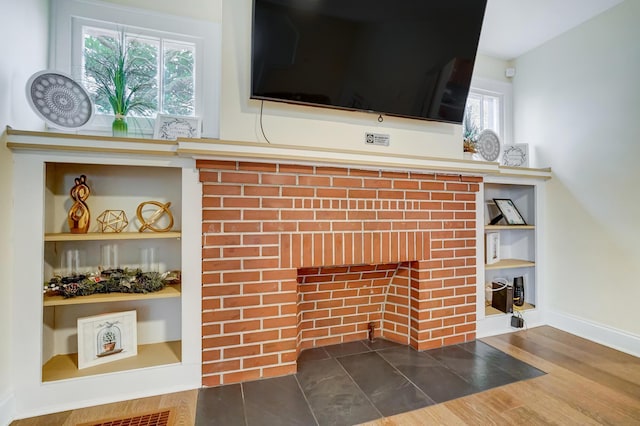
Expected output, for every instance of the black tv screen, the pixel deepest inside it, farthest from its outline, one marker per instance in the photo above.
(408, 58)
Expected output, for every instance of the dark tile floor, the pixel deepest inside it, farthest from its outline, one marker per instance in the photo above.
(361, 381)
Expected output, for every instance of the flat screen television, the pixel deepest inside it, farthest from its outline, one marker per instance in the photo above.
(407, 58)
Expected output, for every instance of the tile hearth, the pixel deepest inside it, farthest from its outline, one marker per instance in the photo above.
(355, 382)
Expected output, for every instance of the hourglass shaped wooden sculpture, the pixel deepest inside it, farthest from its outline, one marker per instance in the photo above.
(78, 217)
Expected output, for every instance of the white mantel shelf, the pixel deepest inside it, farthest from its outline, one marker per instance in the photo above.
(260, 152)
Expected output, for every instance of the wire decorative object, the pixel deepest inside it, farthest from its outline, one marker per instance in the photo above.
(112, 221)
(150, 222)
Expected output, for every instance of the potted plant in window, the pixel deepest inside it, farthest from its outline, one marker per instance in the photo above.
(470, 132)
(122, 77)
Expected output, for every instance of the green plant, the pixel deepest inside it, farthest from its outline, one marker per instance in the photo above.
(112, 281)
(119, 75)
(470, 132)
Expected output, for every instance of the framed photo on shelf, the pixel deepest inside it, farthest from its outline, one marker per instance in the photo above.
(171, 127)
(516, 155)
(509, 211)
(106, 338)
(492, 240)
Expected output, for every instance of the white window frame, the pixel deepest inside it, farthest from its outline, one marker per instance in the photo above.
(68, 17)
(502, 90)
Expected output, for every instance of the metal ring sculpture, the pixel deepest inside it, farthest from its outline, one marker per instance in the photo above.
(163, 208)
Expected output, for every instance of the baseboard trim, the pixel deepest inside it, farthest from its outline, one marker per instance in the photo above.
(501, 324)
(76, 405)
(7, 408)
(599, 333)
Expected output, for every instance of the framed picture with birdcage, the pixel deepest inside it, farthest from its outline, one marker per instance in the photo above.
(106, 338)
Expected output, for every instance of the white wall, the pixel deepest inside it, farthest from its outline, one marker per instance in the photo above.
(297, 125)
(23, 52)
(490, 68)
(577, 101)
(306, 126)
(208, 10)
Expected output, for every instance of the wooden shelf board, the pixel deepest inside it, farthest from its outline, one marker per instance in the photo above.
(167, 292)
(490, 310)
(510, 263)
(103, 236)
(500, 227)
(62, 367)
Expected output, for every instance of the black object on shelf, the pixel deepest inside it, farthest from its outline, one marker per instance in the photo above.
(502, 298)
(496, 219)
(518, 291)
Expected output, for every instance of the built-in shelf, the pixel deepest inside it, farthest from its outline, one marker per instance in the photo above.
(500, 227)
(62, 367)
(510, 264)
(104, 236)
(122, 173)
(490, 310)
(167, 292)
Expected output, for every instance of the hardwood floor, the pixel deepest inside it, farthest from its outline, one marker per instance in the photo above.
(184, 404)
(586, 384)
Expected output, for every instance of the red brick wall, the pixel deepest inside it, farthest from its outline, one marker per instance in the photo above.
(269, 228)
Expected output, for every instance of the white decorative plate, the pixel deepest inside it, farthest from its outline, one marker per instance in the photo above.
(516, 155)
(488, 145)
(59, 100)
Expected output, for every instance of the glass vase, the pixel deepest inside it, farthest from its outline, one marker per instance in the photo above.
(119, 128)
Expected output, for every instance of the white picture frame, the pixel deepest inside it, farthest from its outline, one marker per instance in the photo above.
(171, 127)
(106, 338)
(492, 252)
(515, 155)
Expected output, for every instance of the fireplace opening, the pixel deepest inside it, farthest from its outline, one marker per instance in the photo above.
(339, 304)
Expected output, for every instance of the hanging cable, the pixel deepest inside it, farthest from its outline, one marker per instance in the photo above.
(261, 127)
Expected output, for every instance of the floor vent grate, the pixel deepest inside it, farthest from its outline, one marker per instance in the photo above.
(163, 417)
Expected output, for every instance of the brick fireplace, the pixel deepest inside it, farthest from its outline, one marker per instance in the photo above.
(304, 256)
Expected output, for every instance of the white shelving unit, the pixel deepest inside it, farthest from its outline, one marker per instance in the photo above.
(159, 314)
(121, 174)
(518, 250)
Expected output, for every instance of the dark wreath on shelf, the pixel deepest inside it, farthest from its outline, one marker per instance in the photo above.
(109, 281)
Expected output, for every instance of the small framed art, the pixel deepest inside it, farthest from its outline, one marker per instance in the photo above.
(509, 211)
(171, 127)
(106, 338)
(516, 155)
(493, 247)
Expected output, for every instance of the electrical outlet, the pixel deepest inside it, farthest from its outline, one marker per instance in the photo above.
(377, 139)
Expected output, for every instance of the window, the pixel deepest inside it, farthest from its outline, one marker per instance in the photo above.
(178, 53)
(484, 111)
(489, 107)
(170, 66)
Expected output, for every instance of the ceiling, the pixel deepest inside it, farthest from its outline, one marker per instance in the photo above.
(513, 27)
